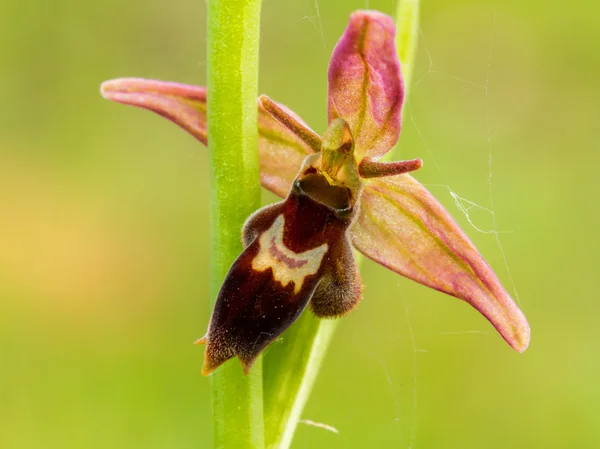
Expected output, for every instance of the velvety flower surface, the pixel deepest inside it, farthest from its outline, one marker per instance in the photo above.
(336, 183)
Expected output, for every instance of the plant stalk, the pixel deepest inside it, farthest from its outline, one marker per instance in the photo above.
(290, 370)
(233, 41)
(407, 36)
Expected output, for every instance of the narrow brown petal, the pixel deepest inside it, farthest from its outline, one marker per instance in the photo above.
(365, 84)
(281, 151)
(291, 122)
(403, 227)
(373, 169)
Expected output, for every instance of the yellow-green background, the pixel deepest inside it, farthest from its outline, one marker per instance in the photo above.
(104, 238)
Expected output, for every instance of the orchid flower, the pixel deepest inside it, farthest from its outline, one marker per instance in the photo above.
(298, 252)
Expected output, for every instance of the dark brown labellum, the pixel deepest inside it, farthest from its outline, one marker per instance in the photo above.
(297, 251)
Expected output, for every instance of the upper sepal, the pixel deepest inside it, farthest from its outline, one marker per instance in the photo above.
(365, 84)
(403, 227)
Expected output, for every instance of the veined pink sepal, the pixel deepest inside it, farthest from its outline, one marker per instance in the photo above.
(281, 151)
(183, 104)
(365, 84)
(403, 227)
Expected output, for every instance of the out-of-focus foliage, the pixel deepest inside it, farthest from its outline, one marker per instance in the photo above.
(103, 229)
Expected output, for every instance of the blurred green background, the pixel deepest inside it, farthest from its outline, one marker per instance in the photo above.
(104, 243)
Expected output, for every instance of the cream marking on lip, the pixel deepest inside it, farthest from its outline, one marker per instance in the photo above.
(287, 265)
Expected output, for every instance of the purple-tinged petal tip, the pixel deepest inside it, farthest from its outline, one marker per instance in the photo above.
(281, 150)
(182, 104)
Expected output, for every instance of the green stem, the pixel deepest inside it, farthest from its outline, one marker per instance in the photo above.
(291, 366)
(233, 36)
(407, 35)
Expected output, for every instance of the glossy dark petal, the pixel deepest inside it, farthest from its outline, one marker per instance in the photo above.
(289, 247)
